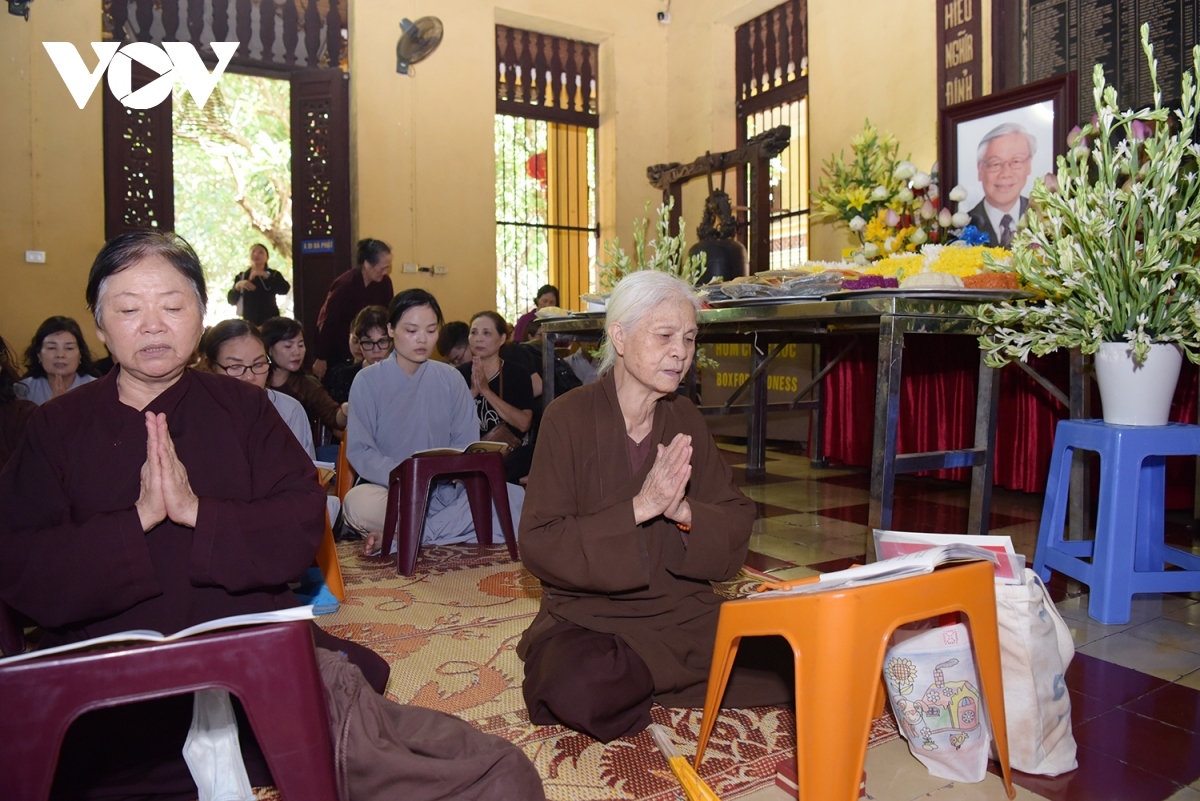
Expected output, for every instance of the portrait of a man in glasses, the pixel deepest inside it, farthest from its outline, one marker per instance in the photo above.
(1005, 161)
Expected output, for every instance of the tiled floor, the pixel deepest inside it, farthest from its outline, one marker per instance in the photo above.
(1135, 689)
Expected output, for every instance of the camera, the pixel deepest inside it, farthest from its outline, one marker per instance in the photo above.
(664, 17)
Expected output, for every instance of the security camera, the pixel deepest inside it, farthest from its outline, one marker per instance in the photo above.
(664, 17)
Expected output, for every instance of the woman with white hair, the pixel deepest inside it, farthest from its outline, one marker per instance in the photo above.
(630, 512)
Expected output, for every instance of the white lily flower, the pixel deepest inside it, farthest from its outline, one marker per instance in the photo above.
(921, 180)
(857, 224)
(904, 170)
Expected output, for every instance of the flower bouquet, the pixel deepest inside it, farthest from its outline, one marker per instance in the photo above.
(663, 252)
(1111, 240)
(887, 202)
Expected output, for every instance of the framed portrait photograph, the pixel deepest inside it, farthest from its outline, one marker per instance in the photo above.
(995, 147)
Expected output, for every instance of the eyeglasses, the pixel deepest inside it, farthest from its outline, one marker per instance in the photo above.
(375, 344)
(997, 165)
(239, 370)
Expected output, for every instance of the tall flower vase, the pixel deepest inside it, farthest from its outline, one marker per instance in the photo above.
(1137, 394)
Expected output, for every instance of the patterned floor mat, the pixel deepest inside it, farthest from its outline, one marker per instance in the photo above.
(450, 632)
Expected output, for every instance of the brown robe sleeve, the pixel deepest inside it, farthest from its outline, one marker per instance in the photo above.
(317, 402)
(722, 517)
(55, 568)
(600, 551)
(271, 538)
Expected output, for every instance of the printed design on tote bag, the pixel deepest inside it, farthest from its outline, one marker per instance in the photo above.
(945, 706)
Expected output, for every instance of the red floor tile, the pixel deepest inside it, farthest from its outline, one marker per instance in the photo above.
(1086, 707)
(916, 514)
(760, 561)
(1151, 745)
(1108, 681)
(1098, 778)
(1174, 705)
(736, 458)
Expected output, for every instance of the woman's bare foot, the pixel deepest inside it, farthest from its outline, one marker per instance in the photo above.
(372, 544)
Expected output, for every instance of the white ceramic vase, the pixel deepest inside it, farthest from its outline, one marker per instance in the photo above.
(1137, 395)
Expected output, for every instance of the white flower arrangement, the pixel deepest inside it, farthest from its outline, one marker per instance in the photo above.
(1111, 241)
(665, 253)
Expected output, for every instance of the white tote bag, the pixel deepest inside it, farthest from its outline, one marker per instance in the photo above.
(1035, 650)
(934, 691)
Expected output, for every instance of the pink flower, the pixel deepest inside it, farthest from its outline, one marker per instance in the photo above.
(1140, 130)
(1073, 136)
(928, 212)
(891, 218)
(1051, 181)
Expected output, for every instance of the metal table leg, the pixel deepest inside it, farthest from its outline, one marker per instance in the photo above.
(987, 404)
(887, 414)
(756, 420)
(549, 343)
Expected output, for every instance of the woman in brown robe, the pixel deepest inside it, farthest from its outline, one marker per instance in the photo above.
(159, 497)
(630, 513)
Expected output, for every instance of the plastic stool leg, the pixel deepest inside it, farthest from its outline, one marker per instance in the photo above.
(1054, 508)
(499, 487)
(727, 642)
(1116, 533)
(1152, 501)
(414, 498)
(480, 499)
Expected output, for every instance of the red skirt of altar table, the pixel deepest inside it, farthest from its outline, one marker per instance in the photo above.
(937, 411)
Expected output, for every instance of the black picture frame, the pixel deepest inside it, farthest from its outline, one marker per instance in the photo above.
(1061, 91)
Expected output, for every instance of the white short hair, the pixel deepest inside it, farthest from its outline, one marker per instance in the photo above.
(1004, 129)
(634, 297)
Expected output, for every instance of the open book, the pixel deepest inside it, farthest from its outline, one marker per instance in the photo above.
(481, 446)
(1010, 569)
(143, 635)
(910, 564)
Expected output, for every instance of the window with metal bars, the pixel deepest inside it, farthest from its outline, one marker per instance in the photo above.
(772, 85)
(545, 140)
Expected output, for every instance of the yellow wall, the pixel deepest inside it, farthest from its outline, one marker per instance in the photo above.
(422, 149)
(51, 171)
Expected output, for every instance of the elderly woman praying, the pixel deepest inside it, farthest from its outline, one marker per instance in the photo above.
(630, 512)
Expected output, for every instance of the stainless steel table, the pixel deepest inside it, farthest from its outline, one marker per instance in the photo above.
(770, 327)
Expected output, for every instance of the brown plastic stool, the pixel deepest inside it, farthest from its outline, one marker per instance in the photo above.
(838, 640)
(408, 494)
(271, 669)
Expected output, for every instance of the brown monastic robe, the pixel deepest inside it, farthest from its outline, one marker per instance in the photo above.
(73, 556)
(601, 571)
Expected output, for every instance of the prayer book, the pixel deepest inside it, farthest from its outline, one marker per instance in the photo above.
(1009, 570)
(145, 635)
(916, 563)
(482, 446)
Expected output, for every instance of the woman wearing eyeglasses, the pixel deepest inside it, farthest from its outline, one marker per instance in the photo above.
(236, 349)
(368, 334)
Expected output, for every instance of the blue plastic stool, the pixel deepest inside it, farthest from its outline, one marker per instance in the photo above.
(1128, 553)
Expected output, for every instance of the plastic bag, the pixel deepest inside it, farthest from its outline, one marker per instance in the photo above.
(934, 691)
(212, 751)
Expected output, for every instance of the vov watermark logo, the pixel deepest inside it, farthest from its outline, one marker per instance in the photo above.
(173, 61)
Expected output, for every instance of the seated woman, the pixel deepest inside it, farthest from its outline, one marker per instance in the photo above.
(284, 339)
(236, 348)
(631, 512)
(255, 288)
(368, 334)
(503, 391)
(546, 296)
(56, 361)
(454, 343)
(404, 404)
(156, 498)
(14, 411)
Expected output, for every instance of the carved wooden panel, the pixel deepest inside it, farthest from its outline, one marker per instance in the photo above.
(546, 77)
(772, 57)
(139, 189)
(320, 187)
(275, 35)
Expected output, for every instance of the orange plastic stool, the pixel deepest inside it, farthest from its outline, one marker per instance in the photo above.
(345, 473)
(838, 639)
(327, 560)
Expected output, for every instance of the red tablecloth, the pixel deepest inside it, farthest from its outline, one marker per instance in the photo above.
(937, 410)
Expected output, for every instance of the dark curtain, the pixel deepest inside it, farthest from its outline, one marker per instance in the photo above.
(937, 411)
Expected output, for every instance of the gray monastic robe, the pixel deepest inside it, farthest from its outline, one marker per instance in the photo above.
(602, 571)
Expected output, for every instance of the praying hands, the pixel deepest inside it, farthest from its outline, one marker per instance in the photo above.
(166, 491)
(663, 490)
